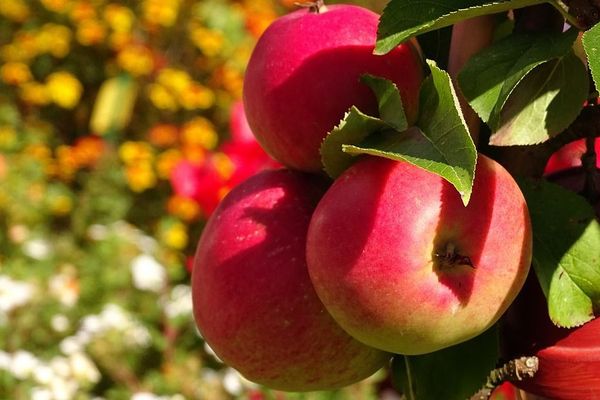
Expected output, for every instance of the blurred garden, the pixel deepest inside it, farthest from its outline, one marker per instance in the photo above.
(121, 128)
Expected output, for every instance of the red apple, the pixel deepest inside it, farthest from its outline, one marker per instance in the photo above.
(253, 299)
(569, 359)
(569, 156)
(505, 391)
(238, 125)
(404, 266)
(304, 74)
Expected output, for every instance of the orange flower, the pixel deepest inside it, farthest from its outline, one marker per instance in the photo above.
(88, 150)
(15, 73)
(34, 93)
(90, 32)
(163, 135)
(184, 208)
(136, 59)
(119, 18)
(15, 10)
(132, 152)
(197, 96)
(166, 161)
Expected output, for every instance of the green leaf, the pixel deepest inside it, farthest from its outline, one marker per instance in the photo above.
(354, 128)
(390, 102)
(566, 251)
(544, 103)
(454, 373)
(440, 143)
(591, 44)
(489, 78)
(403, 19)
(445, 129)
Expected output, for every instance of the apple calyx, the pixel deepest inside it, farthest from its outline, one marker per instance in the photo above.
(316, 6)
(452, 258)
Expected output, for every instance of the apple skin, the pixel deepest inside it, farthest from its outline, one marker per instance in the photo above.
(569, 359)
(304, 75)
(569, 156)
(376, 246)
(253, 300)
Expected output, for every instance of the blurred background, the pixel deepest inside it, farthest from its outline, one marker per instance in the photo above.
(121, 128)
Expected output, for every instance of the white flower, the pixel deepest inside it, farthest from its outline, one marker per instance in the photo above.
(232, 382)
(60, 366)
(144, 396)
(65, 287)
(14, 294)
(60, 323)
(70, 345)
(23, 364)
(38, 393)
(179, 301)
(63, 389)
(113, 316)
(91, 324)
(148, 274)
(97, 232)
(38, 249)
(84, 368)
(43, 374)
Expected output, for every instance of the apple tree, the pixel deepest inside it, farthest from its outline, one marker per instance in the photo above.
(504, 86)
(528, 70)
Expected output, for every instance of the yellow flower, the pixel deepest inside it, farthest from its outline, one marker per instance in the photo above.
(166, 161)
(196, 96)
(136, 59)
(132, 152)
(174, 79)
(209, 42)
(200, 131)
(175, 236)
(15, 10)
(223, 165)
(8, 137)
(184, 208)
(140, 176)
(161, 97)
(54, 39)
(34, 93)
(64, 89)
(232, 80)
(38, 151)
(61, 205)
(15, 73)
(119, 18)
(160, 12)
(58, 6)
(90, 32)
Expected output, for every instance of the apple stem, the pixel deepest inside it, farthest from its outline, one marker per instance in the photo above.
(316, 6)
(514, 370)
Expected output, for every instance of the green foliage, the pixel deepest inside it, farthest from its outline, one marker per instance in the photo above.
(403, 19)
(526, 87)
(454, 373)
(439, 143)
(566, 250)
(591, 44)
